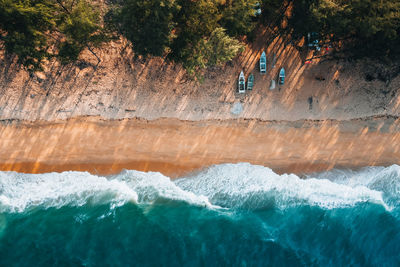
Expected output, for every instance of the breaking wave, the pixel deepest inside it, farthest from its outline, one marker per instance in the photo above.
(229, 215)
(240, 185)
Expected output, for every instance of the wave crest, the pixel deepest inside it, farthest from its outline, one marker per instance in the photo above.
(252, 186)
(227, 185)
(19, 191)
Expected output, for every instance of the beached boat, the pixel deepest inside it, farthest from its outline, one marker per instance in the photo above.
(250, 82)
(263, 63)
(241, 83)
(282, 76)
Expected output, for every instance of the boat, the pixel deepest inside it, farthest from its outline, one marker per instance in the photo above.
(250, 82)
(282, 76)
(241, 83)
(263, 63)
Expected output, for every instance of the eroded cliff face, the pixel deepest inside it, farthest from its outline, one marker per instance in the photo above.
(121, 87)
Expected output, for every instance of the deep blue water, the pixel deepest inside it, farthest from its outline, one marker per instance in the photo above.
(231, 214)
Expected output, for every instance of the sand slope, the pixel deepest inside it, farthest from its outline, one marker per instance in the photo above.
(121, 87)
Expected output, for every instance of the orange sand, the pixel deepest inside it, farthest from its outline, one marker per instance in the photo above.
(176, 147)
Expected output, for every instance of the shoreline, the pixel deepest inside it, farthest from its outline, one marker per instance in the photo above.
(175, 148)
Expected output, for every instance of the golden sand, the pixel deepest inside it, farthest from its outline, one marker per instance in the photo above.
(175, 147)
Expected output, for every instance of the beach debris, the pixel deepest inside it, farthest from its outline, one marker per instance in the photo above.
(241, 83)
(310, 102)
(237, 108)
(282, 76)
(250, 82)
(273, 60)
(272, 85)
(263, 63)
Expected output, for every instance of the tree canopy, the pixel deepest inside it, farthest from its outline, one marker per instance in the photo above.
(372, 27)
(188, 32)
(238, 16)
(212, 51)
(195, 33)
(24, 25)
(147, 24)
(36, 30)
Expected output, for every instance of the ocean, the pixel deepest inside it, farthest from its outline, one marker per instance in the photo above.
(226, 215)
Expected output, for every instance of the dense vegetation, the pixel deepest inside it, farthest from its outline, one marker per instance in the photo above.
(366, 27)
(36, 30)
(195, 33)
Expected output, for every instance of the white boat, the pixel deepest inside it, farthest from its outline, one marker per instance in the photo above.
(263, 63)
(282, 76)
(241, 83)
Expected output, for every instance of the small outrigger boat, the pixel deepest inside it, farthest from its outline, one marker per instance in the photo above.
(250, 82)
(263, 63)
(282, 76)
(241, 83)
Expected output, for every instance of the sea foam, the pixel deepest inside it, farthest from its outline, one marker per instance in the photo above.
(252, 186)
(241, 185)
(19, 191)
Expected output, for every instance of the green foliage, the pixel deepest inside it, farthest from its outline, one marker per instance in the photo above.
(198, 33)
(23, 28)
(213, 51)
(28, 28)
(371, 26)
(238, 17)
(191, 32)
(271, 10)
(201, 39)
(221, 48)
(195, 33)
(80, 27)
(148, 24)
(196, 20)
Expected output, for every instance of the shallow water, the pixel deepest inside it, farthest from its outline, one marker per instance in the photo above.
(230, 214)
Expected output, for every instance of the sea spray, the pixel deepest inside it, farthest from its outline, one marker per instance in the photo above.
(229, 214)
(238, 185)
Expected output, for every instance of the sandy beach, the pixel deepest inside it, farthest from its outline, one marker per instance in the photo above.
(175, 147)
(128, 113)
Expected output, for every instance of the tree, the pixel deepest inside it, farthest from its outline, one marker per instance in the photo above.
(29, 28)
(377, 25)
(213, 51)
(23, 28)
(148, 24)
(195, 20)
(80, 26)
(237, 16)
(370, 27)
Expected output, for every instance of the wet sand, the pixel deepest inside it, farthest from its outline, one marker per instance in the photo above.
(175, 147)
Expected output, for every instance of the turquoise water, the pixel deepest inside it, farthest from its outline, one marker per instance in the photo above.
(230, 214)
